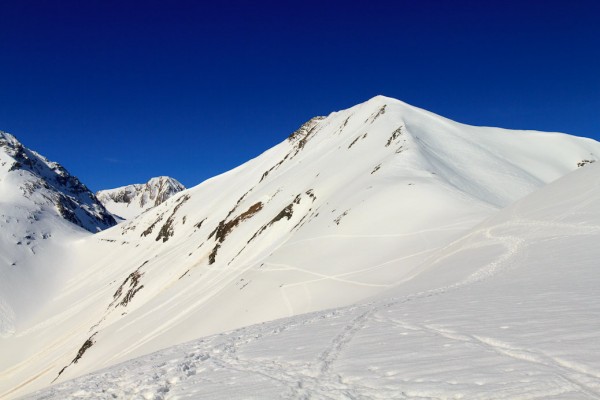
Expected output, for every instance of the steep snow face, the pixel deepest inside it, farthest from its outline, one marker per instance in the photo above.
(508, 311)
(26, 174)
(128, 202)
(347, 207)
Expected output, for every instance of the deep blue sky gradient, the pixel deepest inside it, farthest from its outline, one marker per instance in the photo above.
(120, 91)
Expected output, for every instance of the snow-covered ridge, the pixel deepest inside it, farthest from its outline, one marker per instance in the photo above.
(351, 205)
(130, 201)
(49, 185)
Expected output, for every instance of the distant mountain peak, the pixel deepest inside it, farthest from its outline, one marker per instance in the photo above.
(129, 201)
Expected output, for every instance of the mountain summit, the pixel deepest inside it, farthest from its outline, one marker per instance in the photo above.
(28, 177)
(130, 201)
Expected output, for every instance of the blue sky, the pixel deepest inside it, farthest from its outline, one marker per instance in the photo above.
(120, 91)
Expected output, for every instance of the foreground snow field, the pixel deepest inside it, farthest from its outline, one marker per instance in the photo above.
(509, 311)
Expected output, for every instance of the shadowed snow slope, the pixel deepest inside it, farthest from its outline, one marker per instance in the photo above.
(347, 207)
(129, 201)
(508, 311)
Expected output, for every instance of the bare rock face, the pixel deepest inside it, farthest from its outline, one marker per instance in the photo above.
(44, 185)
(129, 201)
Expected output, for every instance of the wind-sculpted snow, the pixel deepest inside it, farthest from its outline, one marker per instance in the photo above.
(351, 205)
(508, 311)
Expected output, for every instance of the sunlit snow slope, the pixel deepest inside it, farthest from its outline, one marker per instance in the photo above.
(129, 201)
(347, 207)
(509, 311)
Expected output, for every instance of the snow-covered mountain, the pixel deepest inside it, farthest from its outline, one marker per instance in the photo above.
(42, 209)
(28, 177)
(349, 206)
(130, 201)
(509, 311)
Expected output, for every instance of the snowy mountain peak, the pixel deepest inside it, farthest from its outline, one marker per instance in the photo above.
(6, 137)
(160, 189)
(474, 159)
(48, 186)
(129, 201)
(380, 100)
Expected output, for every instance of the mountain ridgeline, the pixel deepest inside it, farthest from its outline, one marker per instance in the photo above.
(49, 186)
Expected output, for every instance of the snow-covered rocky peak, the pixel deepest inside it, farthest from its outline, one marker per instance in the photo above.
(29, 179)
(129, 201)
